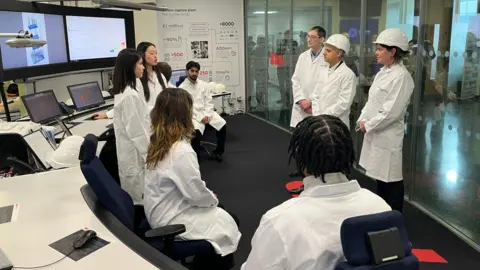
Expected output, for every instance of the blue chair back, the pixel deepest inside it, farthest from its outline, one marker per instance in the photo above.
(108, 192)
(354, 232)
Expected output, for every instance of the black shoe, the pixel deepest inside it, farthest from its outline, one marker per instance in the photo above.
(216, 156)
(295, 174)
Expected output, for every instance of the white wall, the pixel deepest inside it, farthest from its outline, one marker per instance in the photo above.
(59, 84)
(218, 23)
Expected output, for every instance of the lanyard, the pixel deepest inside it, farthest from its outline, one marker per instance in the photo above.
(341, 62)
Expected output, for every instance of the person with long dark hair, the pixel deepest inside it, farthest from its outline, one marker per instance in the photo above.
(382, 118)
(152, 81)
(174, 190)
(131, 122)
(304, 232)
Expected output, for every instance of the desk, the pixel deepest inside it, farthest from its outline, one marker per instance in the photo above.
(108, 104)
(52, 207)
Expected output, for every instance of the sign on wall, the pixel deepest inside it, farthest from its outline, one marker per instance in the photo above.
(209, 32)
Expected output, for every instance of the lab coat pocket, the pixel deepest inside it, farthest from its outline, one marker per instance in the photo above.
(379, 163)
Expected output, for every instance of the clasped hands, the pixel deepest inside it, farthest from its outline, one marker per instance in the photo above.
(305, 105)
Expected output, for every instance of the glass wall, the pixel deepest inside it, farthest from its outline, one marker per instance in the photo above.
(442, 130)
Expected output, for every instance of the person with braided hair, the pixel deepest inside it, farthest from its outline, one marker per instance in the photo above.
(304, 232)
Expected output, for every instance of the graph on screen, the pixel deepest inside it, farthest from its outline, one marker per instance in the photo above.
(95, 37)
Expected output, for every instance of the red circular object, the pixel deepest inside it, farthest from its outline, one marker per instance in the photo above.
(294, 185)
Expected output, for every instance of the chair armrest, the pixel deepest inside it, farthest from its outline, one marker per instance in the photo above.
(168, 231)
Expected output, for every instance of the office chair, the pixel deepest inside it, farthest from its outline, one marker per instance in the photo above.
(120, 204)
(180, 80)
(108, 154)
(377, 241)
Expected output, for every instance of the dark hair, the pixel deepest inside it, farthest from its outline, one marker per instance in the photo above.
(142, 48)
(399, 53)
(320, 145)
(192, 64)
(171, 121)
(124, 72)
(165, 69)
(320, 31)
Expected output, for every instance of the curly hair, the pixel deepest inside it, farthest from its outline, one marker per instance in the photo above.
(321, 145)
(171, 122)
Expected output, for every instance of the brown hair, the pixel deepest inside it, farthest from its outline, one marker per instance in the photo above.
(171, 121)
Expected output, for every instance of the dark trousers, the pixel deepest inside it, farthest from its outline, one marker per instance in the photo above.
(221, 139)
(392, 193)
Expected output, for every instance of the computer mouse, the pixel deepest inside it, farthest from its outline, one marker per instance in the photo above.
(84, 239)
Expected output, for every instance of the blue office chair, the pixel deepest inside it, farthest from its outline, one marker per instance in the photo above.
(120, 204)
(356, 247)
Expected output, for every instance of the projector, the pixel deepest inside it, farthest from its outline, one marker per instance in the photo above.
(25, 42)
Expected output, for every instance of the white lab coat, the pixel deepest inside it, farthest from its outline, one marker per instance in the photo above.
(170, 85)
(155, 89)
(335, 92)
(304, 81)
(384, 114)
(176, 194)
(304, 233)
(132, 131)
(202, 105)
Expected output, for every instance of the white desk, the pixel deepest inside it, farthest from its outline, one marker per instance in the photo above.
(52, 207)
(96, 127)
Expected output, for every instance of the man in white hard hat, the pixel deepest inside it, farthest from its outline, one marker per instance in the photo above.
(336, 87)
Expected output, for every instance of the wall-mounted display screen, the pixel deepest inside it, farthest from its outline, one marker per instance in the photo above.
(42, 26)
(95, 37)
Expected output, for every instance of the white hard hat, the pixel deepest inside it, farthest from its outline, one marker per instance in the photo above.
(393, 37)
(66, 154)
(339, 41)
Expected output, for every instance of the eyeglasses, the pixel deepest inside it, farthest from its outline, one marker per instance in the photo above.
(313, 37)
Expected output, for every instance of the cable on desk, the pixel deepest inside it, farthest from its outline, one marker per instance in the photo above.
(42, 266)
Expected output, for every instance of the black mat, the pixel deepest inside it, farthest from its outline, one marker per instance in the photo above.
(65, 246)
(252, 178)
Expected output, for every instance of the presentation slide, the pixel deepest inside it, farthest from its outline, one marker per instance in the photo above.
(95, 37)
(42, 26)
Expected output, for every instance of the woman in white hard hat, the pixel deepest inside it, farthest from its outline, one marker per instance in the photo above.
(382, 118)
(336, 87)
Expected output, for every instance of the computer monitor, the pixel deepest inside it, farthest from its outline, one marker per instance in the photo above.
(86, 95)
(42, 107)
(176, 74)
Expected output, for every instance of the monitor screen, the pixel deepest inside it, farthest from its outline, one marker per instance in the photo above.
(176, 74)
(42, 107)
(95, 37)
(42, 26)
(86, 95)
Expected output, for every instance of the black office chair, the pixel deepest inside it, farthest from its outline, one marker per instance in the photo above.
(180, 80)
(108, 154)
(120, 204)
(388, 237)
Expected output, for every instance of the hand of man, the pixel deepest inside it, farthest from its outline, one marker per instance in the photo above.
(100, 115)
(305, 104)
(205, 120)
(308, 110)
(361, 125)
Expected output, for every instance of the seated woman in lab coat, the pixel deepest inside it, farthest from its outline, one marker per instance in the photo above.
(174, 190)
(304, 232)
(131, 122)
